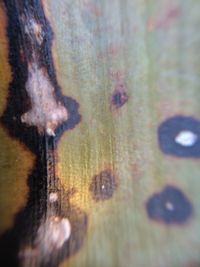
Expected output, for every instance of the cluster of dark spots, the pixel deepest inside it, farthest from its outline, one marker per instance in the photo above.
(169, 206)
(180, 136)
(103, 185)
(119, 98)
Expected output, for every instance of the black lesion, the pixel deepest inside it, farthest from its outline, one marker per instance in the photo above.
(169, 206)
(43, 180)
(119, 98)
(103, 185)
(171, 128)
(74, 118)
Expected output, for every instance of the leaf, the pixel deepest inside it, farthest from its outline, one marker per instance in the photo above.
(127, 73)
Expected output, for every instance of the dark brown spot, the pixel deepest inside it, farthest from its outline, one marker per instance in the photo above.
(170, 130)
(103, 185)
(170, 206)
(119, 98)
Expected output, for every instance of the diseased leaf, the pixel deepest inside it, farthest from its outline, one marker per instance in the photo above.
(113, 179)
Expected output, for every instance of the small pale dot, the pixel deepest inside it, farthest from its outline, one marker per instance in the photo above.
(169, 206)
(53, 197)
(50, 132)
(186, 138)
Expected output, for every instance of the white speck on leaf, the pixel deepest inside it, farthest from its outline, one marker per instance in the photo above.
(186, 138)
(169, 206)
(53, 197)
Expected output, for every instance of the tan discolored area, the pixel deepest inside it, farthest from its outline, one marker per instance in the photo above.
(5, 70)
(15, 160)
(15, 166)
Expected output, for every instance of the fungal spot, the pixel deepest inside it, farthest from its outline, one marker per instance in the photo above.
(119, 98)
(53, 197)
(170, 206)
(180, 136)
(103, 185)
(46, 113)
